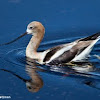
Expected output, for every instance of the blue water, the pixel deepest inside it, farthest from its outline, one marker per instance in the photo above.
(65, 21)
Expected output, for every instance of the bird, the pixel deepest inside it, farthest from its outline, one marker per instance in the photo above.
(75, 51)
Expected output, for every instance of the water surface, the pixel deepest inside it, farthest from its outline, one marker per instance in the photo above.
(65, 21)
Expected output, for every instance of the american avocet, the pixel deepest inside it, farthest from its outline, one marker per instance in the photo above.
(76, 51)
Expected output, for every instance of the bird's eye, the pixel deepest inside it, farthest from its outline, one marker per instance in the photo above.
(31, 27)
(29, 87)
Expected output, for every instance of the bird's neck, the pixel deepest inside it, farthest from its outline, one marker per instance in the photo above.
(31, 50)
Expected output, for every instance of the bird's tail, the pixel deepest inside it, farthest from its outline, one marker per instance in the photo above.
(92, 37)
(85, 53)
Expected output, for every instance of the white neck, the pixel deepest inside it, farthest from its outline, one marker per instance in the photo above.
(31, 50)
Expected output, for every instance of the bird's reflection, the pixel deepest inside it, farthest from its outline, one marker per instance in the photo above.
(35, 83)
(82, 67)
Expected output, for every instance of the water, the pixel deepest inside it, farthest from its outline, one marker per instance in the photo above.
(65, 21)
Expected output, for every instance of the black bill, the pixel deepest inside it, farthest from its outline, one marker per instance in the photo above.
(14, 39)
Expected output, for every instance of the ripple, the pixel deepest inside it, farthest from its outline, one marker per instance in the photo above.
(16, 56)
